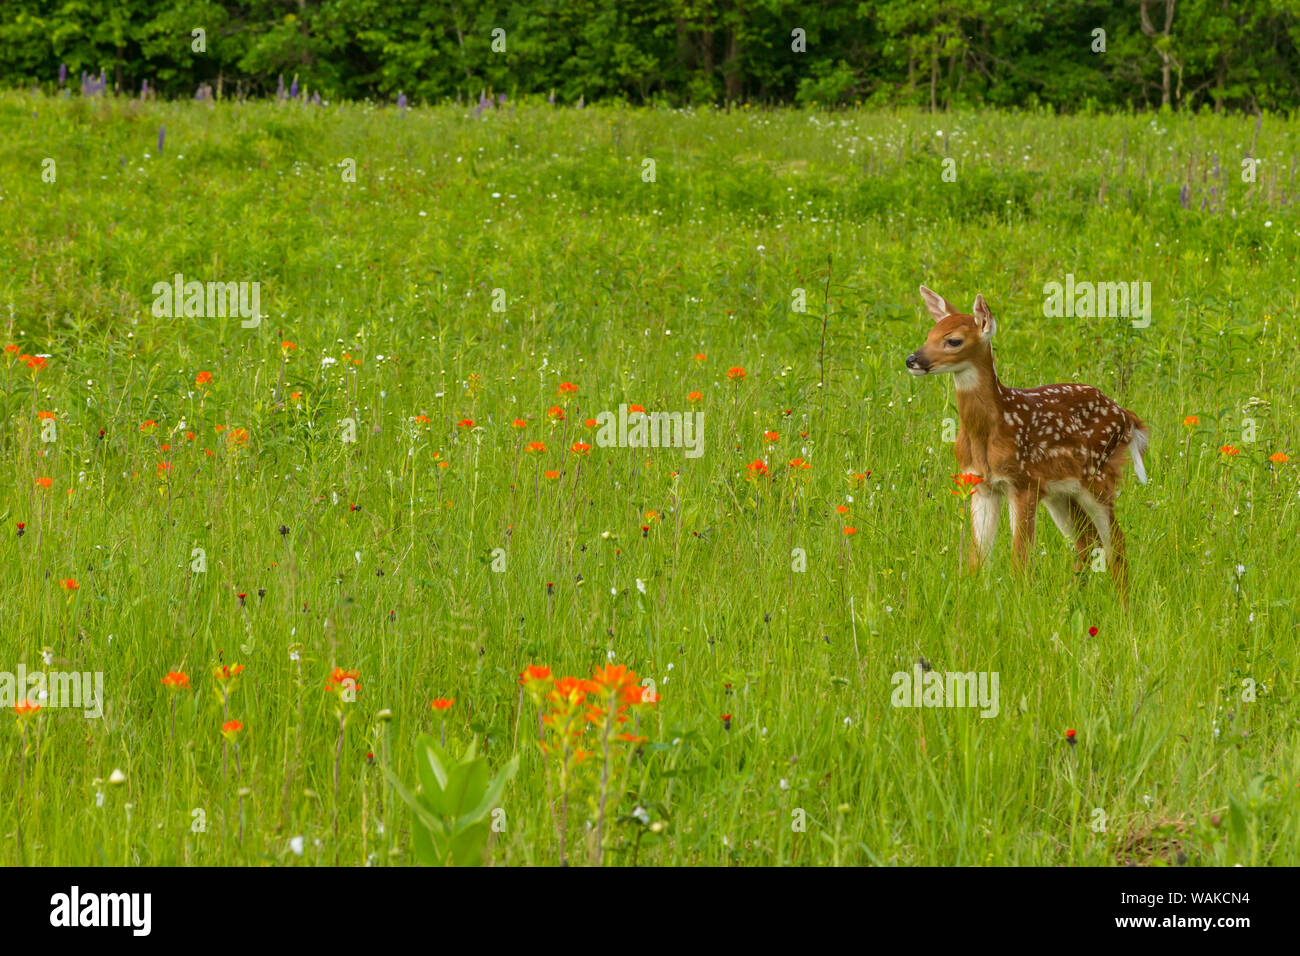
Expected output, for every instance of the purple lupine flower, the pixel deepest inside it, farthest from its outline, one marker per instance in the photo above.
(162, 134)
(501, 99)
(293, 88)
(103, 80)
(315, 98)
(551, 99)
(582, 101)
(279, 89)
(401, 102)
(482, 101)
(144, 89)
(1182, 195)
(63, 73)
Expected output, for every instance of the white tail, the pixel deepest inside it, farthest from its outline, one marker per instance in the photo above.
(1135, 449)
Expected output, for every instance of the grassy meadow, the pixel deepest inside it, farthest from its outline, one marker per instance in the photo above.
(203, 507)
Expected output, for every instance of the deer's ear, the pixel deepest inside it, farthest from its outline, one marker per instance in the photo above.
(983, 317)
(937, 304)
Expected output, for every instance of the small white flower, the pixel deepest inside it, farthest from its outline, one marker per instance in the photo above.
(295, 844)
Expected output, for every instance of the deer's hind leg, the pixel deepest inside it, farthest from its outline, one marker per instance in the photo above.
(1101, 515)
(1117, 558)
(1085, 536)
(1075, 525)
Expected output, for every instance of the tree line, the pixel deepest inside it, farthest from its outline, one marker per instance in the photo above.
(1066, 55)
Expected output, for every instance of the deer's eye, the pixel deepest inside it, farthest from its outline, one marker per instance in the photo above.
(952, 343)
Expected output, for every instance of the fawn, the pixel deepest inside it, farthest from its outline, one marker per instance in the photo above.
(1062, 445)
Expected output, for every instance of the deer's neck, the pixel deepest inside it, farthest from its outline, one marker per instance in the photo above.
(979, 399)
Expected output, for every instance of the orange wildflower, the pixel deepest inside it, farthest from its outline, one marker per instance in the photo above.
(339, 680)
(533, 673)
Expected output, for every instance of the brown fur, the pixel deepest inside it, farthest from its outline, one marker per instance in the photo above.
(1031, 444)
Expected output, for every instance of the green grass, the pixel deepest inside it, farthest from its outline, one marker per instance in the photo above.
(615, 284)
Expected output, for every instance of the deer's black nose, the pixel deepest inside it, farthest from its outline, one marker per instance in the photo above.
(917, 361)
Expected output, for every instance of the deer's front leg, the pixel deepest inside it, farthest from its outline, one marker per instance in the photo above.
(1024, 510)
(985, 506)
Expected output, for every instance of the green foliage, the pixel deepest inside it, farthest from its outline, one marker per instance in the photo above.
(940, 54)
(451, 807)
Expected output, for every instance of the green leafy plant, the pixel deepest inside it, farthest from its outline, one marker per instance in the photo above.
(452, 805)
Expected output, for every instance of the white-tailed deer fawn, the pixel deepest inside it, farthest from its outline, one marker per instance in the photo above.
(1062, 445)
